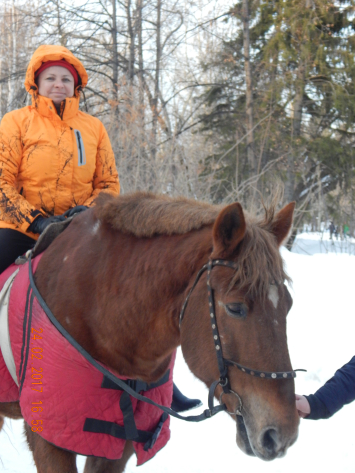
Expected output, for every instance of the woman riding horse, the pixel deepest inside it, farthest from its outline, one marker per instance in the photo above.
(54, 158)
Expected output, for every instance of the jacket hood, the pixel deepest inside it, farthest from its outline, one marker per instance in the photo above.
(52, 53)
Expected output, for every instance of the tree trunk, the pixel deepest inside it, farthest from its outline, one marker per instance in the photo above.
(156, 81)
(61, 33)
(237, 162)
(296, 131)
(13, 51)
(142, 157)
(298, 102)
(291, 239)
(140, 55)
(114, 47)
(249, 88)
(319, 198)
(131, 33)
(114, 59)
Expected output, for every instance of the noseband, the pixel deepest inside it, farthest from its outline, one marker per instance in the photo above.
(223, 363)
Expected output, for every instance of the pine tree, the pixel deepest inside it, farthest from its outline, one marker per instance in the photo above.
(302, 66)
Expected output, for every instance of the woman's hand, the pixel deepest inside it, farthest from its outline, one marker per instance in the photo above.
(75, 210)
(40, 223)
(302, 406)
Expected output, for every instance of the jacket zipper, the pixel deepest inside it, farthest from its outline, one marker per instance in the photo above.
(80, 150)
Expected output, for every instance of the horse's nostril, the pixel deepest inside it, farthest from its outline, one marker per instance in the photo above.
(270, 441)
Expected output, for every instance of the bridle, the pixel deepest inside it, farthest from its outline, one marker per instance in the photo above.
(223, 363)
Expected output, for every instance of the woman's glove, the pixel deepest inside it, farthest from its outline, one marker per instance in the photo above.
(40, 223)
(74, 210)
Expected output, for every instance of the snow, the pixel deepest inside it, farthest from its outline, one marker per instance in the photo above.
(319, 242)
(321, 338)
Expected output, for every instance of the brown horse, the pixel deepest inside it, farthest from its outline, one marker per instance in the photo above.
(117, 279)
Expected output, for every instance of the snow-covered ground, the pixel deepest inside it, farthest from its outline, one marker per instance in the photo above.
(319, 242)
(321, 338)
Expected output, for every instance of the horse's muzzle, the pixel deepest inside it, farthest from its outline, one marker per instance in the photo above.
(271, 444)
(266, 445)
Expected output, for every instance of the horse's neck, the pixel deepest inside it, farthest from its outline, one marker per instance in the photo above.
(163, 270)
(124, 309)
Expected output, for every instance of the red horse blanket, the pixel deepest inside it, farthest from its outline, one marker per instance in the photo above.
(62, 396)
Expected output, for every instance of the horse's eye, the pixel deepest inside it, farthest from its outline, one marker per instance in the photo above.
(237, 310)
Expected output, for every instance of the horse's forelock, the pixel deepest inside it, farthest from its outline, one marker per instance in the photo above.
(259, 261)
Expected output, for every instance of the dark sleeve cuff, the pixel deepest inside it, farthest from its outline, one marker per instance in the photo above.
(318, 409)
(34, 214)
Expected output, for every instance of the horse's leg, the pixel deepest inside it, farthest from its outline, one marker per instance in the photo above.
(47, 457)
(11, 410)
(101, 465)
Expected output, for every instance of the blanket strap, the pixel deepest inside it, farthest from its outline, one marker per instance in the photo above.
(128, 416)
(129, 431)
(110, 428)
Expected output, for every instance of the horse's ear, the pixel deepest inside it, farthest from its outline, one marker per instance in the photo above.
(228, 230)
(282, 224)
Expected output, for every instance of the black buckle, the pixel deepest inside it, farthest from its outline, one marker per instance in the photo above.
(208, 413)
(150, 444)
(137, 385)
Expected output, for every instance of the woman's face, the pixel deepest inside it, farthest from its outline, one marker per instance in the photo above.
(56, 83)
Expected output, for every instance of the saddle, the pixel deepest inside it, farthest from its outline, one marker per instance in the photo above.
(49, 234)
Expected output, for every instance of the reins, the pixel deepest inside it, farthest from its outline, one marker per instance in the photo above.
(223, 364)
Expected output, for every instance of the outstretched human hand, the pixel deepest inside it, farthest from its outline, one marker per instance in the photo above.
(302, 406)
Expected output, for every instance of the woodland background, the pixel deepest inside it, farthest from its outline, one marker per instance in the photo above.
(215, 100)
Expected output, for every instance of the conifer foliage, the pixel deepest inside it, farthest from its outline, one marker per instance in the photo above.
(301, 54)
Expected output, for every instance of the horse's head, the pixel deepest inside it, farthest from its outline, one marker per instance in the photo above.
(251, 302)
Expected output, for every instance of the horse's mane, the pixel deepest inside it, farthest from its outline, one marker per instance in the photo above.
(144, 214)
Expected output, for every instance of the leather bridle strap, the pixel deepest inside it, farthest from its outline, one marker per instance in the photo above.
(223, 370)
(199, 274)
(217, 262)
(264, 374)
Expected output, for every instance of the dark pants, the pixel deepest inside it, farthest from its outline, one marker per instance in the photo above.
(12, 245)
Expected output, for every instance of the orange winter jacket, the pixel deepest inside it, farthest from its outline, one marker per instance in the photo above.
(48, 163)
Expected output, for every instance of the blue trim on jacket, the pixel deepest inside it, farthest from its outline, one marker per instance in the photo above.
(338, 391)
